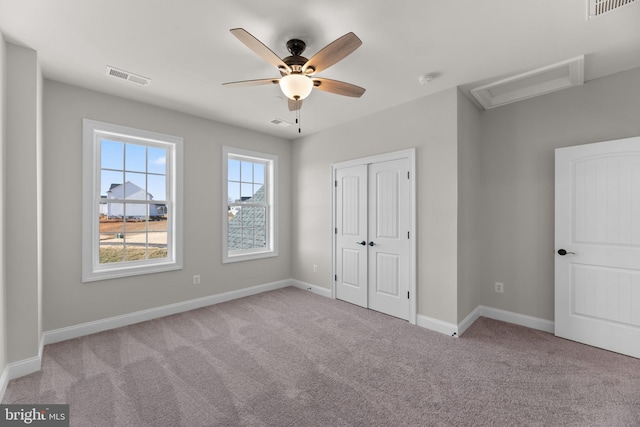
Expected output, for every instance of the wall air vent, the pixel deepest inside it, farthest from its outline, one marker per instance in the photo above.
(125, 75)
(533, 83)
(600, 7)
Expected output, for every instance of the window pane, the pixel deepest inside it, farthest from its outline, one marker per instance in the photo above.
(233, 192)
(246, 191)
(109, 228)
(157, 238)
(111, 154)
(260, 217)
(258, 193)
(111, 252)
(136, 157)
(246, 173)
(157, 187)
(247, 238)
(115, 210)
(135, 184)
(136, 246)
(108, 181)
(157, 252)
(157, 160)
(234, 238)
(258, 173)
(233, 170)
(134, 211)
(247, 216)
(261, 237)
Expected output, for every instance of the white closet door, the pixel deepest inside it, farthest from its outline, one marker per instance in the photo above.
(597, 268)
(351, 234)
(389, 224)
(373, 216)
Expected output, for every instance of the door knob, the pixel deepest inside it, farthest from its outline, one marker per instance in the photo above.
(371, 244)
(363, 243)
(564, 252)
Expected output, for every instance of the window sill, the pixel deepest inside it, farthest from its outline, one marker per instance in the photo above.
(248, 256)
(117, 273)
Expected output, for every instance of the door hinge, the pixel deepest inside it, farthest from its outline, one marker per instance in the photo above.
(408, 174)
(336, 182)
(336, 230)
(408, 295)
(335, 278)
(408, 235)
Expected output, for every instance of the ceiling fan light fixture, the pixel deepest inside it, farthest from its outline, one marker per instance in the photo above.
(296, 86)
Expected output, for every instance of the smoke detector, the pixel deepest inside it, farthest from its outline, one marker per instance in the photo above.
(125, 75)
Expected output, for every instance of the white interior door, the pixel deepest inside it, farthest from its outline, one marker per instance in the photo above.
(389, 219)
(373, 242)
(597, 268)
(351, 234)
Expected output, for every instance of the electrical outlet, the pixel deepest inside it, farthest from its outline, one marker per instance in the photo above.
(315, 268)
(196, 279)
(499, 287)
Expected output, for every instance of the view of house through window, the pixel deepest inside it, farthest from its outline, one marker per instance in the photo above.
(133, 202)
(249, 202)
(247, 205)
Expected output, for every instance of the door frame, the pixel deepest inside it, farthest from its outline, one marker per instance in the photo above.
(409, 154)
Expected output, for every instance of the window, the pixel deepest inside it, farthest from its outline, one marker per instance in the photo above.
(249, 194)
(132, 184)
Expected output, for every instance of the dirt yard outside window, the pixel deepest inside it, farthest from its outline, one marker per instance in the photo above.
(132, 240)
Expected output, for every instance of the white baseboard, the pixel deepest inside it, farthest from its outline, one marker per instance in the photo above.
(312, 288)
(88, 328)
(4, 381)
(437, 325)
(21, 368)
(506, 316)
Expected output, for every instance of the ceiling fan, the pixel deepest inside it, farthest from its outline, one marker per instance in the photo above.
(298, 73)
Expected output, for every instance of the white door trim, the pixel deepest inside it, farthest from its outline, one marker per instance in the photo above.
(409, 154)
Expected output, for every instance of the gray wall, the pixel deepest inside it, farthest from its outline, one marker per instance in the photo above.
(68, 301)
(23, 206)
(428, 124)
(3, 281)
(516, 223)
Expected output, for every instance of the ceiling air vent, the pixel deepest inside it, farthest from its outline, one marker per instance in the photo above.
(533, 83)
(125, 75)
(600, 7)
(280, 122)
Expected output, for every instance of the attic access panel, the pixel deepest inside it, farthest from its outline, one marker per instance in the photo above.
(533, 83)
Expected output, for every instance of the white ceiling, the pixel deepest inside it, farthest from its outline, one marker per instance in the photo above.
(186, 49)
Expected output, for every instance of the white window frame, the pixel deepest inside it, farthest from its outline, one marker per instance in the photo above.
(271, 183)
(93, 132)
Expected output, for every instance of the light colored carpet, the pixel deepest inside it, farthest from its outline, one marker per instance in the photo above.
(292, 358)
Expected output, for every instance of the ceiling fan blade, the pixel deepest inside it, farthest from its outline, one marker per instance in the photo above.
(332, 53)
(338, 87)
(259, 48)
(294, 105)
(258, 82)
